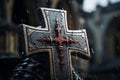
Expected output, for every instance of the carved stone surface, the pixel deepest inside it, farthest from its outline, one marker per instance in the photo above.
(44, 40)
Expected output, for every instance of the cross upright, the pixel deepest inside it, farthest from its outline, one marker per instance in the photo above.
(56, 39)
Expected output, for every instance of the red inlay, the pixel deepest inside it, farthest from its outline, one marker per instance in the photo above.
(60, 40)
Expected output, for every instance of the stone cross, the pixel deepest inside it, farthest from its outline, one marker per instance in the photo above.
(55, 38)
